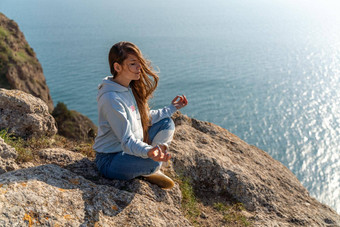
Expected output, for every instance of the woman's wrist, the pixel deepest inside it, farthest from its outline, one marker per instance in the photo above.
(172, 108)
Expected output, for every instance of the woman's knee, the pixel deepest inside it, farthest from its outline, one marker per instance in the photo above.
(164, 124)
(164, 128)
(168, 124)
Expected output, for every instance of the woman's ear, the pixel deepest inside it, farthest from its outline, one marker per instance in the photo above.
(117, 67)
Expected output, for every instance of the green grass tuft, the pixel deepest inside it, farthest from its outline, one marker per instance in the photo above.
(27, 148)
(4, 33)
(189, 203)
(19, 144)
(23, 55)
(5, 135)
(232, 215)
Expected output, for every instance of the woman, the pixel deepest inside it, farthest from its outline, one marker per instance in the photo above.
(132, 140)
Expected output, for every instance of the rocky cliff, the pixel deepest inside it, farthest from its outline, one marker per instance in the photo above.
(21, 70)
(19, 67)
(222, 165)
(60, 187)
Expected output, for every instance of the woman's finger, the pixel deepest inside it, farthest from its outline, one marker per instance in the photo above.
(152, 153)
(185, 100)
(180, 100)
(174, 100)
(157, 153)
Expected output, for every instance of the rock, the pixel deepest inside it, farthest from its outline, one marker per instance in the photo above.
(59, 156)
(67, 190)
(82, 166)
(221, 164)
(19, 67)
(75, 162)
(49, 195)
(7, 157)
(25, 115)
(85, 167)
(73, 125)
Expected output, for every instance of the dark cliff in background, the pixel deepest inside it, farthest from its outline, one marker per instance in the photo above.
(21, 70)
(19, 67)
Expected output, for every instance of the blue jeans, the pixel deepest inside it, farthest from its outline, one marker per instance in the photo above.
(123, 166)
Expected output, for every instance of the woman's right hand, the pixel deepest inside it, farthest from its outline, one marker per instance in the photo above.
(159, 154)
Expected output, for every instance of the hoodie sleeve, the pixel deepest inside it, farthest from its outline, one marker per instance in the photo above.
(157, 115)
(116, 115)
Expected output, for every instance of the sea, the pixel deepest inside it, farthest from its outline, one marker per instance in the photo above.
(266, 70)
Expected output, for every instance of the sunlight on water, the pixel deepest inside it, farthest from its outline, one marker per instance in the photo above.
(313, 141)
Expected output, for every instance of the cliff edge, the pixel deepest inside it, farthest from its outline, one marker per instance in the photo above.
(220, 180)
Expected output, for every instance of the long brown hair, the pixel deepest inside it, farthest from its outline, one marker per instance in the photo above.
(144, 87)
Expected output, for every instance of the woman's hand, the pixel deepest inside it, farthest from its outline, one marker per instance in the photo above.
(159, 154)
(180, 101)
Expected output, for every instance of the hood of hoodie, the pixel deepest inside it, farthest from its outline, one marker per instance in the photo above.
(108, 86)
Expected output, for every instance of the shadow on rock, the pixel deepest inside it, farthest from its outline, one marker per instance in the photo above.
(49, 194)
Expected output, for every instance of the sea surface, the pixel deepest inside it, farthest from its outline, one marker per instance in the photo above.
(266, 70)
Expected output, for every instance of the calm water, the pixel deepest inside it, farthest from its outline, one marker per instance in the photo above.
(268, 71)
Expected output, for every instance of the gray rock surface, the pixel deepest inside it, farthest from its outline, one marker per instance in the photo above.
(49, 195)
(221, 164)
(19, 67)
(7, 157)
(25, 115)
(76, 162)
(58, 156)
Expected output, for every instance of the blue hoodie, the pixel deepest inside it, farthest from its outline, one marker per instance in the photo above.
(119, 122)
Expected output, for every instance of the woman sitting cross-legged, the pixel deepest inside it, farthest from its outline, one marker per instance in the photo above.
(132, 140)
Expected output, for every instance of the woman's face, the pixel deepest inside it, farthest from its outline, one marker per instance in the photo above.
(131, 68)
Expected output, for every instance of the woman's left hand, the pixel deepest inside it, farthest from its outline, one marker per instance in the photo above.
(159, 153)
(180, 101)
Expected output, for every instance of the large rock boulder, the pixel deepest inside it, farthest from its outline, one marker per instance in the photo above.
(222, 165)
(25, 115)
(49, 195)
(7, 157)
(19, 67)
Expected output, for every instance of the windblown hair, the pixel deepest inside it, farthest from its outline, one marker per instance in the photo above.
(144, 87)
